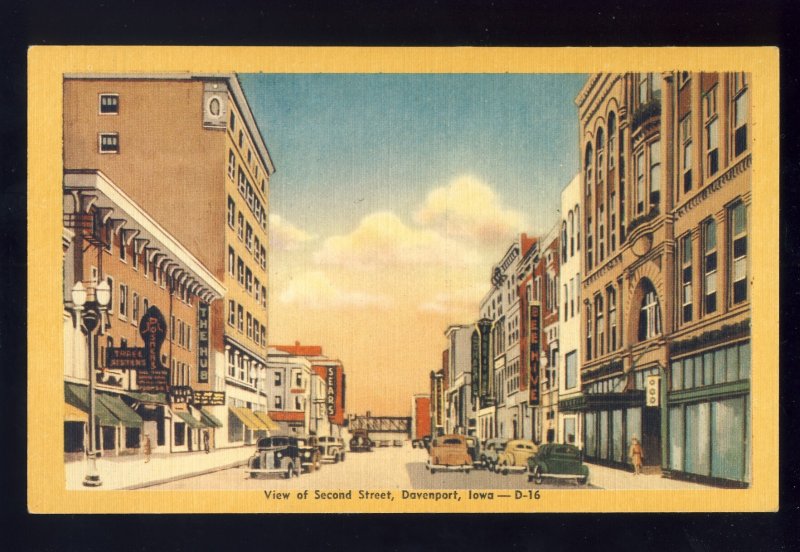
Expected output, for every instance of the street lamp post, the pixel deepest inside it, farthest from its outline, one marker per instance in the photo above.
(89, 316)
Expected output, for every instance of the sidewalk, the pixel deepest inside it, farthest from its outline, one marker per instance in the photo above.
(131, 472)
(621, 480)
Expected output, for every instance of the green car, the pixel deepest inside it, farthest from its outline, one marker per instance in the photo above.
(557, 462)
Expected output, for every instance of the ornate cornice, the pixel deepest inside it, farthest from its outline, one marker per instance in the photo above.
(600, 272)
(714, 186)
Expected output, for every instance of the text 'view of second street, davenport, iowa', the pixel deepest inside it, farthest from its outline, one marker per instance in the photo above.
(209, 343)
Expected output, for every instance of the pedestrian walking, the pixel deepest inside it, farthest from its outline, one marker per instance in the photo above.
(206, 442)
(147, 448)
(636, 455)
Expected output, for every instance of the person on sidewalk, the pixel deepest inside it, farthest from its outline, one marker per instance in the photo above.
(636, 455)
(147, 448)
(206, 442)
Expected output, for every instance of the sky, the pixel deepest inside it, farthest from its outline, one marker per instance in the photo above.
(393, 196)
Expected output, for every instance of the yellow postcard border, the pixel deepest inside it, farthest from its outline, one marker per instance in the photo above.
(47, 64)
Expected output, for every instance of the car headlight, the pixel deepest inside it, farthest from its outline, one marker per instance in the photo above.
(278, 455)
(306, 454)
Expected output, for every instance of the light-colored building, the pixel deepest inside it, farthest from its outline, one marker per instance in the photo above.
(186, 148)
(570, 426)
(460, 406)
(546, 291)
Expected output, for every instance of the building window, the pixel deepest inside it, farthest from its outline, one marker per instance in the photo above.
(738, 252)
(601, 167)
(257, 250)
(109, 104)
(601, 232)
(710, 266)
(123, 301)
(686, 157)
(240, 271)
(650, 314)
(740, 107)
(571, 235)
(231, 313)
(572, 297)
(249, 237)
(298, 380)
(249, 280)
(231, 261)
(264, 296)
(588, 332)
(231, 163)
(241, 139)
(612, 319)
(588, 159)
(563, 241)
(712, 131)
(589, 259)
(109, 142)
(612, 135)
(686, 278)
(263, 257)
(599, 324)
(231, 212)
(298, 403)
(577, 228)
(566, 302)
(263, 335)
(278, 401)
(172, 328)
(640, 183)
(240, 227)
(110, 281)
(135, 317)
(240, 318)
(655, 173)
(249, 325)
(233, 121)
(256, 334)
(571, 362)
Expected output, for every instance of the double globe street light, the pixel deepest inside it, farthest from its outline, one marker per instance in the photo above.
(89, 316)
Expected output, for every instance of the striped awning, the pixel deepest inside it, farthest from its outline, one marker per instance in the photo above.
(209, 419)
(74, 414)
(248, 418)
(269, 422)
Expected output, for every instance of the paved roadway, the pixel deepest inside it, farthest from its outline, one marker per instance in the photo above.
(383, 468)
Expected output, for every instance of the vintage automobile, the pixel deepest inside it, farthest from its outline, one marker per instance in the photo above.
(360, 442)
(473, 448)
(557, 462)
(310, 455)
(331, 449)
(397, 443)
(276, 455)
(449, 452)
(515, 456)
(422, 442)
(490, 451)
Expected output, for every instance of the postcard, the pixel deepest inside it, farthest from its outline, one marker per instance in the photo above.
(273, 280)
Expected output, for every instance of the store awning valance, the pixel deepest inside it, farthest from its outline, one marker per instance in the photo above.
(248, 418)
(74, 414)
(210, 419)
(264, 417)
(78, 396)
(148, 398)
(190, 420)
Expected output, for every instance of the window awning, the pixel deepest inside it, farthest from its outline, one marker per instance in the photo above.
(78, 396)
(74, 414)
(148, 398)
(126, 415)
(248, 417)
(264, 417)
(209, 419)
(190, 420)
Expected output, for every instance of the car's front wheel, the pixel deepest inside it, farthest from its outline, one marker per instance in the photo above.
(536, 475)
(583, 480)
(289, 471)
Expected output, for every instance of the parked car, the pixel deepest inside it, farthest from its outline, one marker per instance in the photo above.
(276, 455)
(558, 462)
(515, 456)
(422, 442)
(360, 442)
(449, 452)
(310, 455)
(490, 451)
(398, 442)
(331, 449)
(473, 448)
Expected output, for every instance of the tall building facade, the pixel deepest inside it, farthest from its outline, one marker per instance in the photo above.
(546, 291)
(187, 150)
(460, 407)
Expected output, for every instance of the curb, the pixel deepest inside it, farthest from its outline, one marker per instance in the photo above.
(165, 480)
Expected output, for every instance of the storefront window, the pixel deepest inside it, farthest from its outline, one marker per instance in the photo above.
(602, 434)
(719, 366)
(180, 434)
(616, 435)
(728, 426)
(569, 430)
(676, 434)
(697, 438)
(744, 361)
(732, 370)
(688, 373)
(708, 368)
(677, 376)
(591, 440)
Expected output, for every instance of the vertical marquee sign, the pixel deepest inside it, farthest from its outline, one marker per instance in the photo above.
(153, 329)
(534, 337)
(202, 342)
(330, 393)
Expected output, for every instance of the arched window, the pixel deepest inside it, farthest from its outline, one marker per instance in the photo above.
(566, 301)
(601, 148)
(650, 313)
(577, 227)
(599, 324)
(588, 331)
(587, 169)
(571, 234)
(612, 319)
(564, 241)
(612, 135)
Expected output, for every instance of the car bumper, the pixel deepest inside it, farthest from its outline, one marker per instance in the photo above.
(559, 475)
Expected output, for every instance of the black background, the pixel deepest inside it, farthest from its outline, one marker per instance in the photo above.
(398, 23)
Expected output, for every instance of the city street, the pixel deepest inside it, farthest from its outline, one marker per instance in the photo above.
(383, 468)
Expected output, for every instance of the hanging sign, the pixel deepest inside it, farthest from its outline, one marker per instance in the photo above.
(202, 342)
(534, 321)
(153, 329)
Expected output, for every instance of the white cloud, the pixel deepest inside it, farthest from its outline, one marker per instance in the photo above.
(382, 239)
(285, 236)
(468, 208)
(314, 290)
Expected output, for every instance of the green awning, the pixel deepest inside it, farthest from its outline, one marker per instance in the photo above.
(190, 420)
(210, 419)
(78, 396)
(149, 398)
(124, 413)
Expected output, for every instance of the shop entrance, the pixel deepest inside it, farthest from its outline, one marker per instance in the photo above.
(651, 436)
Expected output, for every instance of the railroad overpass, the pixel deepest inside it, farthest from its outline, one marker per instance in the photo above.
(381, 428)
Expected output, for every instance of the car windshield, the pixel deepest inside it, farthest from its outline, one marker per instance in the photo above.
(452, 441)
(273, 442)
(301, 442)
